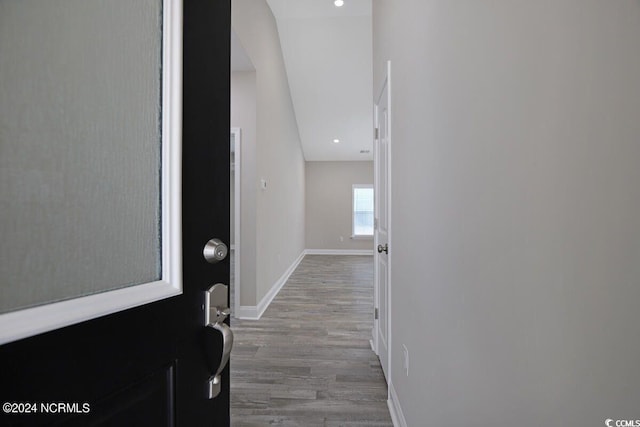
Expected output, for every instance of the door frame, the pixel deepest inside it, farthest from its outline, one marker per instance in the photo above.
(376, 324)
(28, 322)
(237, 217)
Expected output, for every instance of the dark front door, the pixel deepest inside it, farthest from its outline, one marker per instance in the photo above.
(102, 302)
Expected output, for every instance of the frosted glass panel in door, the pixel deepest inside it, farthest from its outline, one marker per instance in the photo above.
(80, 154)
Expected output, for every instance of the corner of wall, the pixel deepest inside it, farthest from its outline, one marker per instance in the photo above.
(256, 312)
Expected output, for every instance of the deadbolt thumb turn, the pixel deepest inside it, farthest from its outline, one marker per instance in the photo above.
(215, 251)
(384, 248)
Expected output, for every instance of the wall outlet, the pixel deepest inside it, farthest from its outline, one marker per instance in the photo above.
(405, 359)
(341, 238)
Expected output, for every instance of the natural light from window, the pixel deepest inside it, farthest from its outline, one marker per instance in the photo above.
(362, 210)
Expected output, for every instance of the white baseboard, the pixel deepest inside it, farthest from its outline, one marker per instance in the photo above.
(253, 312)
(339, 252)
(247, 312)
(397, 417)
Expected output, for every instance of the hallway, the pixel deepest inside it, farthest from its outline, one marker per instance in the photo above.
(307, 361)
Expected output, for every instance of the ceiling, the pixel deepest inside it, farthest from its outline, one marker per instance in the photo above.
(240, 61)
(328, 56)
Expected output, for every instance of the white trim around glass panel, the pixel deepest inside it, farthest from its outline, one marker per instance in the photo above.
(32, 321)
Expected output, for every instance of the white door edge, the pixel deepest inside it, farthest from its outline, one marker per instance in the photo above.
(36, 320)
(389, 234)
(237, 138)
(376, 184)
(386, 82)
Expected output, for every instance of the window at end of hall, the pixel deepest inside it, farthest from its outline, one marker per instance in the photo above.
(362, 210)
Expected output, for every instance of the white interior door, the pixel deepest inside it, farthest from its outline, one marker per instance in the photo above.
(382, 229)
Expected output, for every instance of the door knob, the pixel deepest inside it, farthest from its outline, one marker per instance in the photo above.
(384, 248)
(215, 251)
(216, 311)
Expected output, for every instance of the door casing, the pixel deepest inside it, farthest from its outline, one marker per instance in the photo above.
(236, 134)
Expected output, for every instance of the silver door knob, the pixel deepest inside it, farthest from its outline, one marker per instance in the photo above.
(215, 251)
(384, 248)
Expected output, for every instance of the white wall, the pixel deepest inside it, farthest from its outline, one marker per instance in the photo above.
(329, 203)
(516, 209)
(280, 208)
(243, 116)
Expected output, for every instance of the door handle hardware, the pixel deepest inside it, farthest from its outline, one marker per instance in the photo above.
(216, 312)
(384, 248)
(215, 251)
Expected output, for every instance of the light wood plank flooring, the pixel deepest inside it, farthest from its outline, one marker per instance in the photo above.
(307, 361)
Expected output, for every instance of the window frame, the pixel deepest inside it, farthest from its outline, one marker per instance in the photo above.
(355, 236)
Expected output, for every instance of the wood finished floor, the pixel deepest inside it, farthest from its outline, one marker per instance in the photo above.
(307, 361)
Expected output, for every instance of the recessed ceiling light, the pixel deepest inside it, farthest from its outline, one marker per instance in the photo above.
(335, 141)
(339, 3)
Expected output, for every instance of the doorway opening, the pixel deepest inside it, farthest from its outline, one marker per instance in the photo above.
(307, 151)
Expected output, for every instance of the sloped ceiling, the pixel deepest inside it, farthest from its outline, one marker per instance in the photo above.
(240, 61)
(328, 56)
